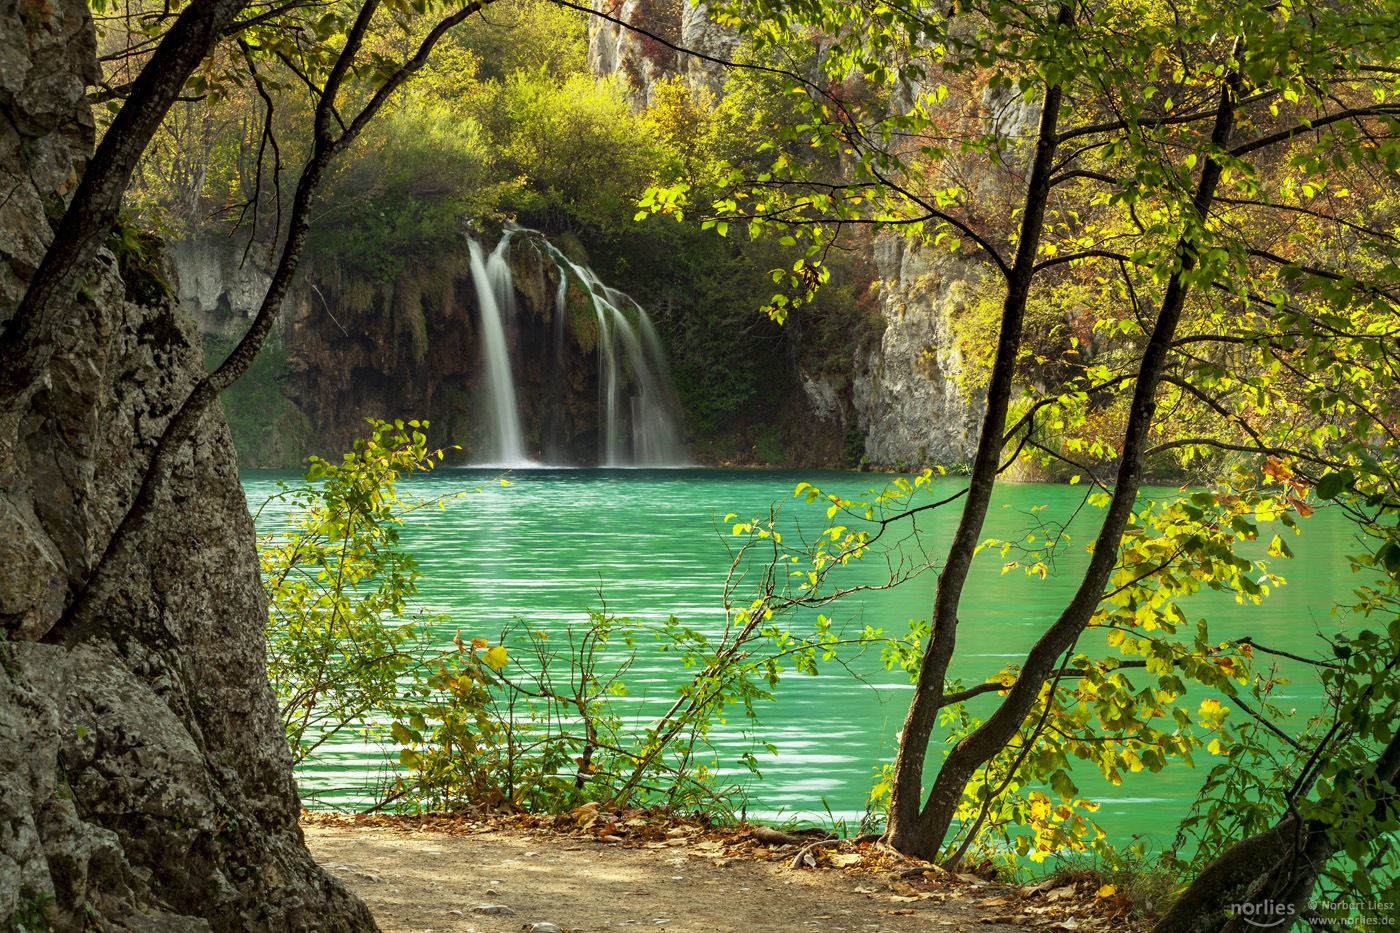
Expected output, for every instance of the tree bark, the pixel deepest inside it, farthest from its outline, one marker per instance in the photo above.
(924, 836)
(26, 345)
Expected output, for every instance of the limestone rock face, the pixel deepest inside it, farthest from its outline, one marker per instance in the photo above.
(407, 350)
(701, 34)
(642, 61)
(614, 49)
(145, 783)
(907, 394)
(218, 287)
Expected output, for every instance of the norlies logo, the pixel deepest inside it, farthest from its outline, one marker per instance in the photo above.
(1265, 914)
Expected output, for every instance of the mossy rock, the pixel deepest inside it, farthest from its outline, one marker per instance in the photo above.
(571, 246)
(583, 319)
(138, 253)
(160, 330)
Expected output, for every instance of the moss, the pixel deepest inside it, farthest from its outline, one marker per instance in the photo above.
(268, 430)
(138, 254)
(409, 318)
(583, 319)
(853, 447)
(54, 208)
(770, 447)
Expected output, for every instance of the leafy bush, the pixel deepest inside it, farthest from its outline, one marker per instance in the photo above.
(399, 201)
(339, 586)
(526, 36)
(574, 143)
(529, 722)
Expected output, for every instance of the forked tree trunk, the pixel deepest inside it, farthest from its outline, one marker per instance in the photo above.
(923, 836)
(903, 831)
(27, 342)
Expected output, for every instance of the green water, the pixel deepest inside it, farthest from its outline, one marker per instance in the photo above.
(546, 546)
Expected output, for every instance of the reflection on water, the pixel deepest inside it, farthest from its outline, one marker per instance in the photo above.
(557, 543)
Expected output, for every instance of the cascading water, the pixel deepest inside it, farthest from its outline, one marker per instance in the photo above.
(508, 445)
(638, 417)
(652, 404)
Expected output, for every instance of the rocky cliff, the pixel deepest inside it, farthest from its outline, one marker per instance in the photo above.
(145, 783)
(643, 61)
(908, 394)
(349, 350)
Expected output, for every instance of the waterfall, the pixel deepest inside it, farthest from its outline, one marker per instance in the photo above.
(652, 407)
(638, 411)
(508, 446)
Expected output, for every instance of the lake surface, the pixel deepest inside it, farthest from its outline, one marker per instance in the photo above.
(546, 547)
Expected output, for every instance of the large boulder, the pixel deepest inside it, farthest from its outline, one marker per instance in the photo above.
(145, 783)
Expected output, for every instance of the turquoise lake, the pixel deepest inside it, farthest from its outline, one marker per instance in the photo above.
(652, 542)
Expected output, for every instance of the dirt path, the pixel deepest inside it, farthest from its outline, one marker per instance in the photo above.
(430, 881)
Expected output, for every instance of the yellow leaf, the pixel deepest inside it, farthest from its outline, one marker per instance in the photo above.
(480, 643)
(505, 482)
(496, 658)
(1107, 890)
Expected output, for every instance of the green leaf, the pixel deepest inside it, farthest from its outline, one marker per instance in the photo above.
(1332, 485)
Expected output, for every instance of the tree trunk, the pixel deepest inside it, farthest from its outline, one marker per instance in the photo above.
(903, 830)
(1267, 880)
(924, 837)
(27, 342)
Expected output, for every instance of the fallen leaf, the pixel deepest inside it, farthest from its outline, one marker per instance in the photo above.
(890, 910)
(846, 860)
(1107, 890)
(1058, 893)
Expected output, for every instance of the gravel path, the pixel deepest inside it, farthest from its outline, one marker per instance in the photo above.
(431, 882)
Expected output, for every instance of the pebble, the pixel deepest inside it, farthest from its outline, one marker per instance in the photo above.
(543, 928)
